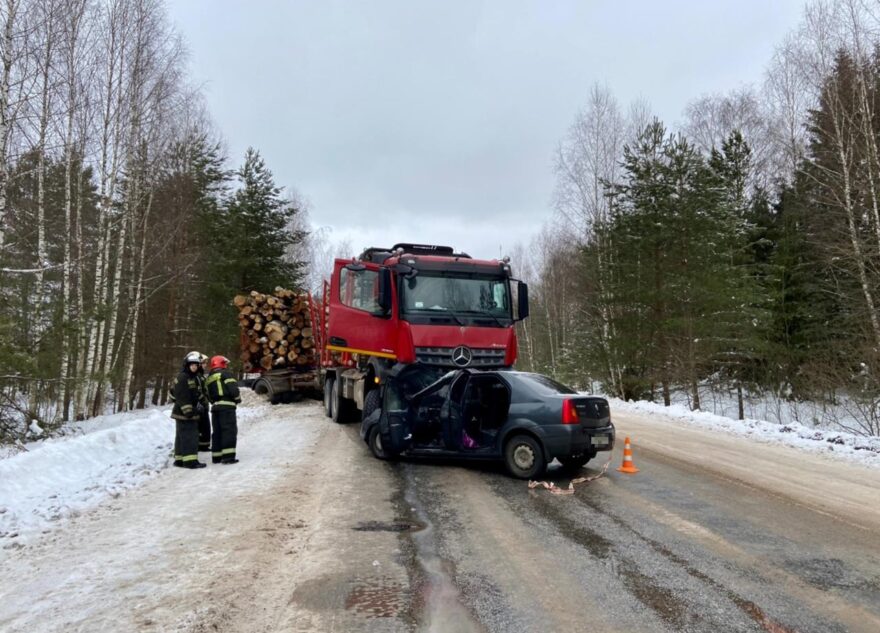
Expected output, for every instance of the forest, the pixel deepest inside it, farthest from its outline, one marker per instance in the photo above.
(125, 228)
(733, 252)
(737, 253)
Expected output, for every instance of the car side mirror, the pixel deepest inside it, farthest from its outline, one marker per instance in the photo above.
(522, 300)
(384, 298)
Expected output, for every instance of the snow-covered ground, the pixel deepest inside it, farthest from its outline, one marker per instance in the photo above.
(147, 558)
(94, 461)
(836, 444)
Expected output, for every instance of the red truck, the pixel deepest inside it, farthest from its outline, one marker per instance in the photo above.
(412, 303)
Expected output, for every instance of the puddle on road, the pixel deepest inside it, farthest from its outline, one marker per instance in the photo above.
(394, 526)
(441, 606)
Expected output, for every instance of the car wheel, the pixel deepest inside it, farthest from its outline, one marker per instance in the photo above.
(524, 457)
(574, 463)
(371, 403)
(375, 442)
(328, 395)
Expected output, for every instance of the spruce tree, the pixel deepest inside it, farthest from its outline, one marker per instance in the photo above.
(250, 236)
(257, 232)
(741, 322)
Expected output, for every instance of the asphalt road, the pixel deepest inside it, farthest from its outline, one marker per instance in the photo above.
(311, 533)
(694, 542)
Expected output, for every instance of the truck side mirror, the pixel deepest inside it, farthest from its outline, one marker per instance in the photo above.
(384, 291)
(522, 300)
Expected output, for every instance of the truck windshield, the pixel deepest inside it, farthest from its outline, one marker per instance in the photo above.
(474, 300)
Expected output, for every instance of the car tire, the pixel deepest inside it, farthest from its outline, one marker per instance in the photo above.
(524, 457)
(371, 403)
(574, 463)
(328, 395)
(374, 440)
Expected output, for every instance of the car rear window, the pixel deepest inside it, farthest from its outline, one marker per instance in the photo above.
(545, 386)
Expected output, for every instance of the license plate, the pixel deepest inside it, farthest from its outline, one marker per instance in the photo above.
(599, 440)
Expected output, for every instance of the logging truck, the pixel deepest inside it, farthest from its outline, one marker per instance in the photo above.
(411, 303)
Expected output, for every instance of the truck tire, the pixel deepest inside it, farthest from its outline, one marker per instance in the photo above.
(328, 395)
(341, 407)
(524, 457)
(371, 403)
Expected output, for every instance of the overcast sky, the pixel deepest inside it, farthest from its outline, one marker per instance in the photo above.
(436, 121)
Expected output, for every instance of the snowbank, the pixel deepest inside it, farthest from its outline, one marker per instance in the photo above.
(836, 444)
(63, 476)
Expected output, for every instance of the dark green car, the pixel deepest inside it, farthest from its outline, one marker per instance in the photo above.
(524, 419)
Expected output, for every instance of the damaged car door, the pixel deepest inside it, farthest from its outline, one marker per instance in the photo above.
(411, 407)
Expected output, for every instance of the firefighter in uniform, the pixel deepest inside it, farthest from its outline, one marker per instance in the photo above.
(204, 405)
(186, 397)
(224, 396)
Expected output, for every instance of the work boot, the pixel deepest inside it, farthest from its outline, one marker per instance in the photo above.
(216, 460)
(178, 463)
(195, 464)
(230, 460)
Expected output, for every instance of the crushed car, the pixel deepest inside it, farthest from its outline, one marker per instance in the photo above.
(523, 419)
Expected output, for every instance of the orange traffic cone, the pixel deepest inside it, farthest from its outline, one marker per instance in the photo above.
(628, 466)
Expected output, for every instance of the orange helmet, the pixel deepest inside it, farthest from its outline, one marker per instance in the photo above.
(219, 362)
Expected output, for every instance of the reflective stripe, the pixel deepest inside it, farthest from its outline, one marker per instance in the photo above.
(228, 451)
(192, 383)
(229, 380)
(216, 378)
(187, 408)
(224, 402)
(189, 458)
(217, 454)
(366, 352)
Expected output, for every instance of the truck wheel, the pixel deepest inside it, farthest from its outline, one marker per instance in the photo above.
(523, 457)
(328, 395)
(375, 442)
(371, 403)
(341, 407)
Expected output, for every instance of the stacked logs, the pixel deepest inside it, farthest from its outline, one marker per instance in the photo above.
(276, 330)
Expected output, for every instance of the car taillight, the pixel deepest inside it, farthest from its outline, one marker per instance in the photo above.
(570, 413)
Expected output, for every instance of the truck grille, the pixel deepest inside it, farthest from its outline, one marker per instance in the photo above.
(442, 357)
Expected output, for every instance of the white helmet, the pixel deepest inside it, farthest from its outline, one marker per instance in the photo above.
(192, 357)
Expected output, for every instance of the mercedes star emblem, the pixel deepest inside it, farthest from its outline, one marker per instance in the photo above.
(461, 356)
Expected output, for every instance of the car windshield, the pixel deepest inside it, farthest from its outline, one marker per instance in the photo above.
(545, 386)
(458, 297)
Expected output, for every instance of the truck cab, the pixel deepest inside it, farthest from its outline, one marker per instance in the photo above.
(416, 303)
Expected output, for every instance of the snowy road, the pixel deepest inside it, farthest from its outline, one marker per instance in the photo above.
(310, 533)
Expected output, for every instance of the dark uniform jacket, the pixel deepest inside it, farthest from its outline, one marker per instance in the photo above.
(186, 395)
(203, 388)
(223, 389)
